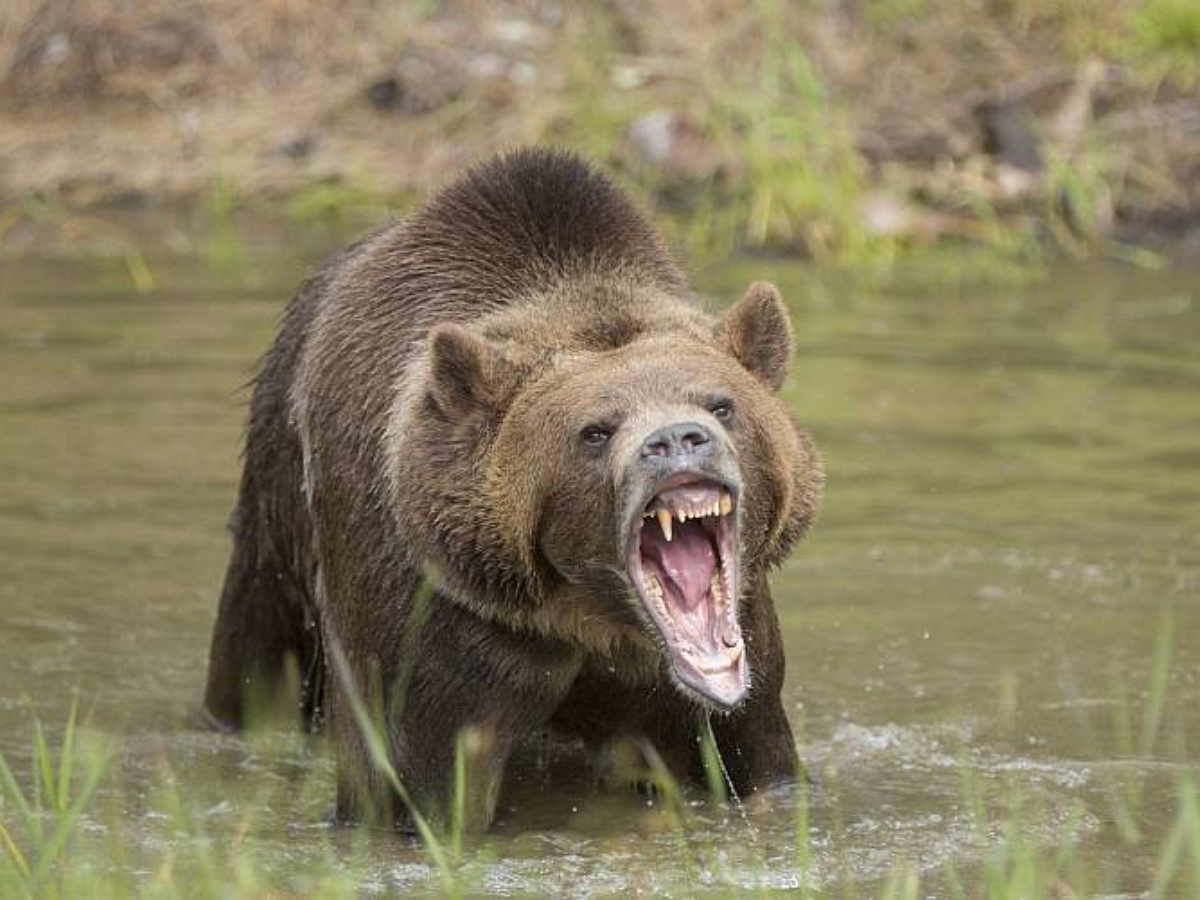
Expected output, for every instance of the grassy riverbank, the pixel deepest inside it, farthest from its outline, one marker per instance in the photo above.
(854, 132)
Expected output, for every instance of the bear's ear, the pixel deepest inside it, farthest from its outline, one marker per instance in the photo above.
(758, 332)
(466, 371)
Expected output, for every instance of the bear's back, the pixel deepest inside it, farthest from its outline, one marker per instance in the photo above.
(533, 216)
(511, 228)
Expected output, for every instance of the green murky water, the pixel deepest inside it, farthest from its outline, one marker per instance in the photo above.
(1013, 508)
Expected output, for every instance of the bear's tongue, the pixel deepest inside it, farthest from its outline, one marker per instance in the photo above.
(689, 586)
(684, 565)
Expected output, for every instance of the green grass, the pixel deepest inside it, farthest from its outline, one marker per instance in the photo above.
(39, 823)
(791, 178)
(60, 838)
(762, 85)
(86, 234)
(794, 180)
(372, 729)
(354, 204)
(1165, 40)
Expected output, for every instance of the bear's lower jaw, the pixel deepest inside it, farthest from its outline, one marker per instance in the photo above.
(683, 564)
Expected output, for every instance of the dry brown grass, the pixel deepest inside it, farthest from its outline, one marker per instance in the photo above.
(101, 99)
(159, 51)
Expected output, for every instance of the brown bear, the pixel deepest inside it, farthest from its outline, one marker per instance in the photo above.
(503, 474)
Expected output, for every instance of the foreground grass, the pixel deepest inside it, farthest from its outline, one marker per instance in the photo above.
(56, 844)
(59, 840)
(70, 828)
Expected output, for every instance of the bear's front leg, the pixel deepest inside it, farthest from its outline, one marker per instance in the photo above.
(456, 700)
(755, 740)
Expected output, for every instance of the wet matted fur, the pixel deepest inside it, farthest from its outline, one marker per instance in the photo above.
(468, 466)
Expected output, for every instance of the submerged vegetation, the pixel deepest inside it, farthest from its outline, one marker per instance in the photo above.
(64, 831)
(844, 132)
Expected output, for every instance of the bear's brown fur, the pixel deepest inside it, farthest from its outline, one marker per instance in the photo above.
(466, 450)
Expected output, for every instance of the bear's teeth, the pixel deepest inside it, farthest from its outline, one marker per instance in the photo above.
(721, 506)
(655, 590)
(664, 522)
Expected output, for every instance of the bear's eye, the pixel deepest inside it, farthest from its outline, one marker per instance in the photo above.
(722, 410)
(595, 436)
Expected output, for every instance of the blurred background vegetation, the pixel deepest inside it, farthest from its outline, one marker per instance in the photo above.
(842, 130)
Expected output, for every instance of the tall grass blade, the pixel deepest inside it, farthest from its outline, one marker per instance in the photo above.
(804, 854)
(1152, 717)
(66, 823)
(44, 782)
(1168, 860)
(458, 815)
(13, 793)
(139, 270)
(14, 852)
(66, 759)
(714, 768)
(672, 803)
(1190, 816)
(377, 748)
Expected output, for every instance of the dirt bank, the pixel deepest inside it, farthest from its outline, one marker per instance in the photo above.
(834, 129)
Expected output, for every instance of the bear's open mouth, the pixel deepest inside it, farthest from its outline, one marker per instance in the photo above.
(683, 562)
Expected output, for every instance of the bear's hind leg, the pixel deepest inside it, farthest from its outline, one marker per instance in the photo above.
(266, 650)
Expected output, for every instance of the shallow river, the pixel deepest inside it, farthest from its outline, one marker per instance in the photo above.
(1012, 520)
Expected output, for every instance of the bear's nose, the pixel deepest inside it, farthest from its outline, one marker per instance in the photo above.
(680, 439)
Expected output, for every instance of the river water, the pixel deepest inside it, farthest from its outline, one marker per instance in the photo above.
(1012, 521)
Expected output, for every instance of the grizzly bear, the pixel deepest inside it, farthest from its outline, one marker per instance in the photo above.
(503, 477)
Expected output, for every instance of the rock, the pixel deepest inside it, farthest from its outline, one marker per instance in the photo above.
(420, 84)
(385, 93)
(294, 148)
(653, 136)
(884, 214)
(673, 142)
(1010, 134)
(1013, 183)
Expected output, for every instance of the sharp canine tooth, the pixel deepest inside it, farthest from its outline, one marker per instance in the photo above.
(726, 504)
(664, 522)
(718, 589)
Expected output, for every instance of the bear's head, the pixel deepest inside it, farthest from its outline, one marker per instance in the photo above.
(610, 466)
